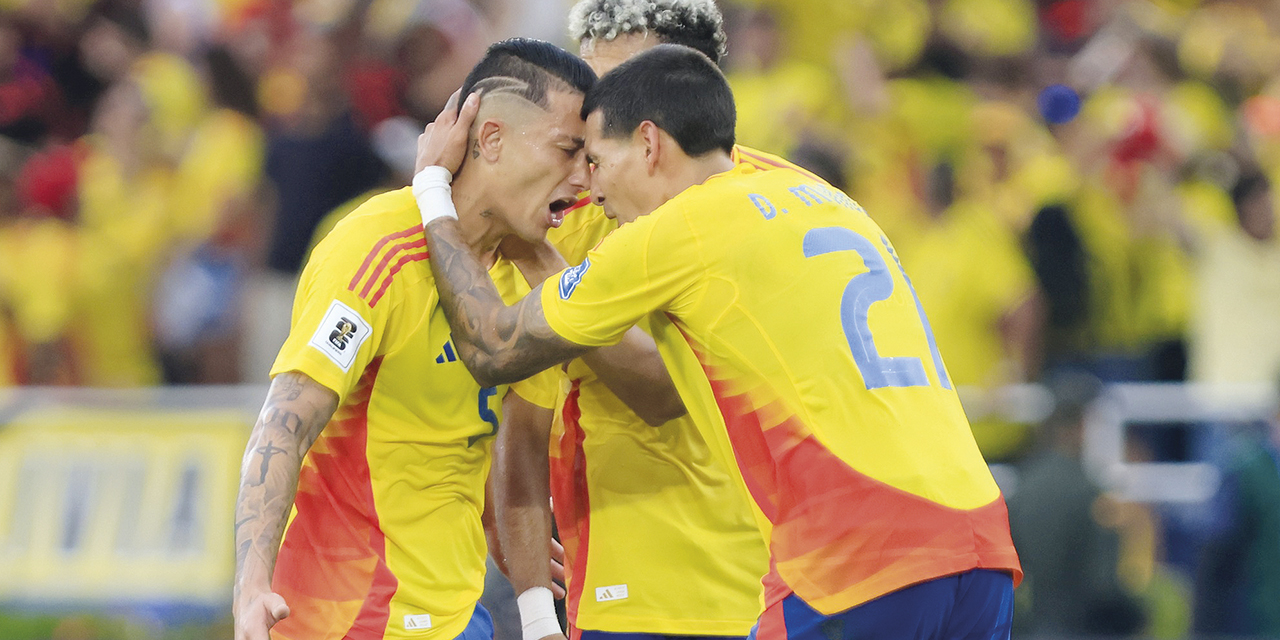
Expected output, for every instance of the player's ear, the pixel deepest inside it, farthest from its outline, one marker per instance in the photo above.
(487, 143)
(650, 136)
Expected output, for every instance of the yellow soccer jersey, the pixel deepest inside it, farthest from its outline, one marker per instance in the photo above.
(637, 506)
(385, 539)
(794, 330)
(658, 536)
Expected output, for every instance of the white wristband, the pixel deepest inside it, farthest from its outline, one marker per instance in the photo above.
(435, 198)
(537, 613)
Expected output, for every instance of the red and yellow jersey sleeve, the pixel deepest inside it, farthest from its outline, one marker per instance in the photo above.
(795, 332)
(341, 316)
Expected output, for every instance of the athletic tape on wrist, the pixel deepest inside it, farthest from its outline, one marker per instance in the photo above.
(435, 197)
(537, 613)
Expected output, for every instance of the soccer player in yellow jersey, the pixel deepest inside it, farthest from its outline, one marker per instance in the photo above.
(371, 417)
(659, 538)
(792, 328)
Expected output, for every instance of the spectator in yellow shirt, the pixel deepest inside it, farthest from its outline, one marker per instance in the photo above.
(780, 99)
(978, 290)
(125, 205)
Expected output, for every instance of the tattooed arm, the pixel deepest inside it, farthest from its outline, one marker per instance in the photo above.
(499, 344)
(632, 369)
(296, 410)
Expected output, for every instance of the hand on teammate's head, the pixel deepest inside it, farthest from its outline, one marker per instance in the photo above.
(444, 142)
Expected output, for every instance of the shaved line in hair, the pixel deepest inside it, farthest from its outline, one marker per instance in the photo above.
(516, 88)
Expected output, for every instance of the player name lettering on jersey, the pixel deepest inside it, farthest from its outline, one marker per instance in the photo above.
(809, 194)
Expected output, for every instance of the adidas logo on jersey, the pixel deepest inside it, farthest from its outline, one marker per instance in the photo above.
(607, 594)
(420, 622)
(448, 355)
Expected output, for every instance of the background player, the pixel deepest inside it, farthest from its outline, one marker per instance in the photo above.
(371, 416)
(677, 504)
(882, 518)
(659, 537)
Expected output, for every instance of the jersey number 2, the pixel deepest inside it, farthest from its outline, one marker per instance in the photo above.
(864, 290)
(486, 414)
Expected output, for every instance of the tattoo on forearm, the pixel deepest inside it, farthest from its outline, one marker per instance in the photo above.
(293, 417)
(283, 417)
(266, 453)
(499, 344)
(290, 388)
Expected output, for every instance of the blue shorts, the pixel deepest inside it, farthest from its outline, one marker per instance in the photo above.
(974, 605)
(479, 627)
(606, 635)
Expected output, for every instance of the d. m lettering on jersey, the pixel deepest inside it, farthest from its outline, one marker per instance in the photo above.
(387, 257)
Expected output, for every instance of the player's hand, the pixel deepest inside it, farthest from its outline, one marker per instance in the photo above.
(557, 569)
(555, 636)
(444, 142)
(536, 261)
(258, 614)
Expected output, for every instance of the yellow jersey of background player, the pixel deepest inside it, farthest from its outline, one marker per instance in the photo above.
(658, 536)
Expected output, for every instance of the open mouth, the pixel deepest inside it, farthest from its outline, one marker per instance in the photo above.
(557, 209)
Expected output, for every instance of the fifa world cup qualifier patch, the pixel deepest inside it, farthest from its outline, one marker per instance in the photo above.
(571, 277)
(340, 334)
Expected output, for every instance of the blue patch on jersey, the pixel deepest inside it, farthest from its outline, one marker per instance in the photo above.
(571, 277)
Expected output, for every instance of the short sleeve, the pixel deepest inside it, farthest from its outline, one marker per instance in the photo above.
(335, 331)
(642, 267)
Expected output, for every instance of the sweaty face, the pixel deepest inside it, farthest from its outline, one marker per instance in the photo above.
(541, 167)
(620, 180)
(603, 55)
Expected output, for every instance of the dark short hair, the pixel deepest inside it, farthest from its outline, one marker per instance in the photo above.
(540, 67)
(676, 88)
(697, 24)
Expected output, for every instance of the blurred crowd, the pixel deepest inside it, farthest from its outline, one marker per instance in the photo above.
(166, 165)
(1073, 185)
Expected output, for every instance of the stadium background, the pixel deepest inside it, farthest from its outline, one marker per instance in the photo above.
(166, 165)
